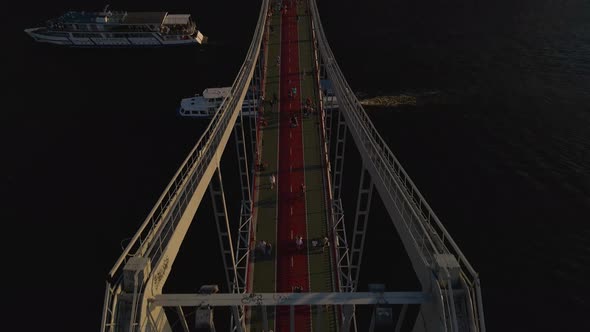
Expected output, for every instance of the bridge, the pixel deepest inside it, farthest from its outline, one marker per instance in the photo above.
(291, 262)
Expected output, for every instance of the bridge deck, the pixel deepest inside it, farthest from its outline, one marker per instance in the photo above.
(294, 155)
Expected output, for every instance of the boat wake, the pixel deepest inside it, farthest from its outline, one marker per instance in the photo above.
(406, 99)
(390, 101)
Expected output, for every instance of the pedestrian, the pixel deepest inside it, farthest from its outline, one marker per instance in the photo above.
(299, 242)
(268, 248)
(326, 244)
(302, 187)
(272, 181)
(261, 246)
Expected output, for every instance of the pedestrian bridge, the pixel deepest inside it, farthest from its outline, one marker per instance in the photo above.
(298, 136)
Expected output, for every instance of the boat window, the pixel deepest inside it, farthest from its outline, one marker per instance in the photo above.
(58, 34)
(82, 35)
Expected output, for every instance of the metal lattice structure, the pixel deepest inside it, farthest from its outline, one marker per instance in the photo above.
(450, 298)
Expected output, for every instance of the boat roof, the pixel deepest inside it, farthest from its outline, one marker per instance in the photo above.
(216, 92)
(157, 18)
(145, 18)
(177, 19)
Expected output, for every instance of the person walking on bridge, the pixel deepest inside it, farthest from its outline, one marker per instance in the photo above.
(273, 180)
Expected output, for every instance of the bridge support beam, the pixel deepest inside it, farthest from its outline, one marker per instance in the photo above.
(264, 311)
(341, 246)
(363, 207)
(347, 315)
(292, 318)
(225, 242)
(329, 110)
(242, 245)
(223, 229)
(182, 319)
(238, 324)
(242, 153)
(339, 155)
(401, 318)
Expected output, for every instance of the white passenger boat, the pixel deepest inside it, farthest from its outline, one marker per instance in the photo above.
(119, 29)
(205, 105)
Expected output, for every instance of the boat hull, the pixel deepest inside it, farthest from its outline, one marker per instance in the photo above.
(150, 40)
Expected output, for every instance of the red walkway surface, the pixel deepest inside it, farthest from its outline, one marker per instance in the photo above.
(292, 264)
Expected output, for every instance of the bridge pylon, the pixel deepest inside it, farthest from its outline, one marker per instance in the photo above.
(439, 264)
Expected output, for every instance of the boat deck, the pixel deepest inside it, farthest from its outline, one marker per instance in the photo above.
(294, 155)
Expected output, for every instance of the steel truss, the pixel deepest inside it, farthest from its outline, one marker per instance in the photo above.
(329, 106)
(341, 245)
(339, 156)
(234, 281)
(253, 120)
(363, 206)
(328, 120)
(242, 155)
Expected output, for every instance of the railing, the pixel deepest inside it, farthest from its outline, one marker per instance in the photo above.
(426, 230)
(328, 198)
(153, 235)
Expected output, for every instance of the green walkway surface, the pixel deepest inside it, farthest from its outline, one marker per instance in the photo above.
(265, 203)
(319, 259)
(265, 198)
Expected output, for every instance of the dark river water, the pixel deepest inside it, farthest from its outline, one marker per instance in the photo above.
(498, 142)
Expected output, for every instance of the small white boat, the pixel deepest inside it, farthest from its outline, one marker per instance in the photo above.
(205, 105)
